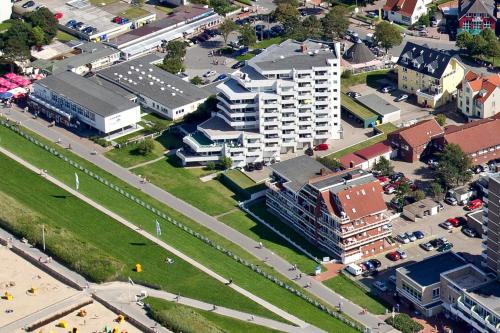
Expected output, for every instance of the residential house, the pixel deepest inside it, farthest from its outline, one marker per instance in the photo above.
(342, 213)
(476, 15)
(479, 139)
(365, 158)
(406, 12)
(432, 75)
(409, 143)
(479, 95)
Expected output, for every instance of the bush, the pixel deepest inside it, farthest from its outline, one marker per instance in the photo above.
(404, 323)
(346, 74)
(210, 166)
(226, 162)
(184, 319)
(441, 119)
(197, 80)
(100, 141)
(146, 147)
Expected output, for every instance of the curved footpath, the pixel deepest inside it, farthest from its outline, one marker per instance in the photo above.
(165, 246)
(84, 150)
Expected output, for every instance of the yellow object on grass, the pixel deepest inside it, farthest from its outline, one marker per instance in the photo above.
(138, 268)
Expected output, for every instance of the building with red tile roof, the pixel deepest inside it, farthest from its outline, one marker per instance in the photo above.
(365, 158)
(478, 95)
(342, 213)
(404, 11)
(409, 143)
(479, 139)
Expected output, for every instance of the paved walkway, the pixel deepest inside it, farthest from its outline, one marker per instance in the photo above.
(148, 162)
(282, 266)
(159, 242)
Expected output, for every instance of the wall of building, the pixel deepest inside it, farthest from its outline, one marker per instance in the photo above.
(492, 224)
(5, 10)
(120, 120)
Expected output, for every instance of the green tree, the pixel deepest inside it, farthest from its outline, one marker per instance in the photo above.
(330, 162)
(436, 190)
(38, 36)
(13, 51)
(418, 195)
(285, 11)
(402, 191)
(388, 35)
(441, 119)
(146, 147)
(293, 28)
(453, 167)
(176, 49)
(464, 40)
(226, 162)
(44, 19)
(197, 80)
(137, 3)
(221, 7)
(424, 20)
(312, 27)
(335, 23)
(247, 35)
(226, 28)
(384, 166)
(172, 65)
(210, 166)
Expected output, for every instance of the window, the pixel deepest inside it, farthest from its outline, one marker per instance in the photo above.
(477, 25)
(412, 291)
(435, 293)
(467, 25)
(487, 25)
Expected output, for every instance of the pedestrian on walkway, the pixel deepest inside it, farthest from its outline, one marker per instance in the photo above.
(229, 282)
(260, 245)
(214, 307)
(300, 276)
(58, 140)
(178, 298)
(252, 318)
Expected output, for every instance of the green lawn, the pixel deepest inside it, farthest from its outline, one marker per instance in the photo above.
(128, 156)
(134, 13)
(183, 241)
(102, 3)
(268, 42)
(156, 119)
(244, 182)
(370, 78)
(246, 56)
(385, 128)
(211, 197)
(63, 36)
(163, 310)
(76, 231)
(347, 288)
(5, 25)
(166, 10)
(248, 226)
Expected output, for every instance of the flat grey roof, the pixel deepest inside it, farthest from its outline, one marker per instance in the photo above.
(488, 295)
(336, 181)
(288, 55)
(143, 78)
(87, 93)
(477, 216)
(112, 87)
(217, 127)
(298, 170)
(377, 104)
(428, 271)
(421, 206)
(233, 86)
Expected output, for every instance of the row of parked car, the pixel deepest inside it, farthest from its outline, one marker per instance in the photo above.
(441, 244)
(254, 166)
(80, 26)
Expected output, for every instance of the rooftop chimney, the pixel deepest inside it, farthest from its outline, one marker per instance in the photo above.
(303, 48)
(323, 172)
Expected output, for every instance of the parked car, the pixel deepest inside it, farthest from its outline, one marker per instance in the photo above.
(309, 152)
(411, 236)
(419, 234)
(71, 24)
(79, 26)
(354, 269)
(321, 147)
(250, 167)
(446, 225)
(28, 4)
(389, 188)
(375, 262)
(221, 77)
(120, 20)
(380, 285)
(403, 238)
(394, 256)
(369, 266)
(474, 204)
(388, 89)
(402, 253)
(427, 246)
(401, 98)
(469, 232)
(258, 166)
(396, 176)
(209, 73)
(451, 201)
(445, 247)
(383, 180)
(420, 27)
(372, 14)
(237, 65)
(353, 94)
(89, 30)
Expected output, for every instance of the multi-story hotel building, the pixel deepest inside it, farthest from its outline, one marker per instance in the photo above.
(284, 99)
(342, 213)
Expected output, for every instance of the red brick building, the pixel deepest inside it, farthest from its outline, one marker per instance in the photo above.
(476, 15)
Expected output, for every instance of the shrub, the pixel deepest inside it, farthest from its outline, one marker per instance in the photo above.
(183, 319)
(404, 323)
(346, 74)
(441, 119)
(100, 141)
(210, 166)
(146, 147)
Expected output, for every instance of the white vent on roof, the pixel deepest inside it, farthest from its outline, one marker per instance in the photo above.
(150, 69)
(162, 88)
(125, 78)
(129, 72)
(162, 82)
(157, 80)
(132, 67)
(348, 197)
(149, 75)
(137, 69)
(354, 210)
(140, 77)
(173, 94)
(140, 65)
(153, 77)
(120, 76)
(182, 92)
(168, 85)
(130, 80)
(143, 72)
(115, 73)
(150, 83)
(363, 192)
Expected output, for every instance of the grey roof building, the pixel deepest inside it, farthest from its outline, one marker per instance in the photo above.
(386, 111)
(424, 60)
(155, 88)
(359, 53)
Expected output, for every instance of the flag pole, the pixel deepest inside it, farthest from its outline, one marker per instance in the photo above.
(43, 237)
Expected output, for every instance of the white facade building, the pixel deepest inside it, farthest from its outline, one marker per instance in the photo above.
(70, 99)
(287, 98)
(5, 10)
(406, 12)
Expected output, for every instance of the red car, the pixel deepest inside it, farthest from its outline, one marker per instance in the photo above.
(474, 204)
(383, 179)
(321, 146)
(454, 221)
(394, 256)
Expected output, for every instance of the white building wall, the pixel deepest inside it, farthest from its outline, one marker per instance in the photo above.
(120, 120)
(5, 10)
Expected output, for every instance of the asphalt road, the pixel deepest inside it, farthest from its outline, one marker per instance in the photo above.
(282, 266)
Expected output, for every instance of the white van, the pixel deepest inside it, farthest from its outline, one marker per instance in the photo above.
(354, 269)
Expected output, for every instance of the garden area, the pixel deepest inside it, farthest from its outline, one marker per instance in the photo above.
(181, 318)
(183, 241)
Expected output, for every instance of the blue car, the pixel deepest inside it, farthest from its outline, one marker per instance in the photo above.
(221, 77)
(71, 23)
(369, 265)
(419, 234)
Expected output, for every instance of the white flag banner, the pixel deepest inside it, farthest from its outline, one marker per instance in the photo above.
(77, 182)
(158, 229)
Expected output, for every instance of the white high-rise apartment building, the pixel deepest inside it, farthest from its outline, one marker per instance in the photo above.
(5, 10)
(284, 99)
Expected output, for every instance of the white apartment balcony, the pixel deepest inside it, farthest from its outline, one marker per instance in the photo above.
(357, 242)
(201, 144)
(322, 136)
(321, 102)
(291, 126)
(490, 325)
(324, 93)
(305, 130)
(305, 106)
(322, 111)
(322, 127)
(288, 136)
(322, 85)
(253, 144)
(303, 78)
(306, 122)
(307, 96)
(287, 117)
(236, 105)
(350, 229)
(305, 139)
(272, 148)
(430, 94)
(288, 143)
(275, 131)
(462, 306)
(304, 87)
(195, 158)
